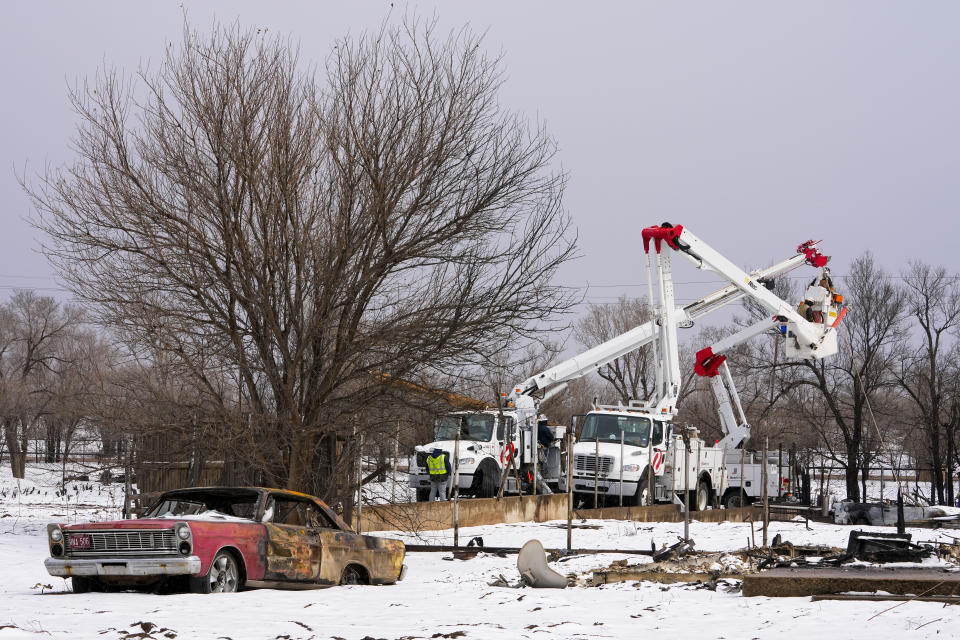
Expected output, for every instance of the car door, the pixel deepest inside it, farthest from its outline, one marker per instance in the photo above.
(293, 546)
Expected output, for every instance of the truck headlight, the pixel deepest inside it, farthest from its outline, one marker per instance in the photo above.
(467, 461)
(631, 467)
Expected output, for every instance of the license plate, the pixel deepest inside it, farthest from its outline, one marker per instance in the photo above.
(79, 542)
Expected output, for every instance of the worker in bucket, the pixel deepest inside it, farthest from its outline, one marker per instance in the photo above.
(439, 466)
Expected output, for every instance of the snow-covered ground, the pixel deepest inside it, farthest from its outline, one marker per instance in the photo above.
(441, 597)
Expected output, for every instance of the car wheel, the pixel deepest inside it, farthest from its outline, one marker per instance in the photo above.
(81, 585)
(223, 576)
(423, 495)
(351, 575)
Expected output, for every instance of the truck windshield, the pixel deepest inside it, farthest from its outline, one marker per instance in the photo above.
(607, 428)
(471, 426)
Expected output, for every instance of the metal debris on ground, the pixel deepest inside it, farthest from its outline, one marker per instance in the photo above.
(676, 550)
(885, 547)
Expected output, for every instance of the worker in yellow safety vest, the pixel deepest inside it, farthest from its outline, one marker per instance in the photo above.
(438, 464)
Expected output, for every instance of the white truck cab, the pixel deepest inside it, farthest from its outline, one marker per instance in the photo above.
(484, 447)
(487, 443)
(618, 447)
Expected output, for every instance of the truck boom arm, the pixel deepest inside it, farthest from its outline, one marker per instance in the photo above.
(604, 353)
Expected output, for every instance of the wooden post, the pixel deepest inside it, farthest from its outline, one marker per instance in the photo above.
(127, 489)
(766, 503)
(650, 476)
(881, 481)
(779, 470)
(686, 487)
(723, 475)
(456, 491)
(396, 458)
(534, 444)
(360, 484)
(596, 471)
(743, 482)
(792, 470)
(569, 491)
(621, 467)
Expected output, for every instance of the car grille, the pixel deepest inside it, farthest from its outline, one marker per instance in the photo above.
(128, 541)
(588, 464)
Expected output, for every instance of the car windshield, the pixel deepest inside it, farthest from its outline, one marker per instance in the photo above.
(607, 428)
(471, 426)
(239, 505)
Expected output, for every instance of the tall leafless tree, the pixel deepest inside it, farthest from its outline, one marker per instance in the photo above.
(870, 346)
(631, 376)
(310, 239)
(33, 332)
(933, 300)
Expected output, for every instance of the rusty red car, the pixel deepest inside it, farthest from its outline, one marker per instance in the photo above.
(219, 539)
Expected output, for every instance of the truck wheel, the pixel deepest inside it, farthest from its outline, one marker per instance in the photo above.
(423, 495)
(639, 498)
(486, 481)
(733, 500)
(702, 498)
(81, 584)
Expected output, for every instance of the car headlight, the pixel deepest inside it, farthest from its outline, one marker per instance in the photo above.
(56, 535)
(467, 461)
(631, 467)
(183, 532)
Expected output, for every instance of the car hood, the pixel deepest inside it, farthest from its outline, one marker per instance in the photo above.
(149, 523)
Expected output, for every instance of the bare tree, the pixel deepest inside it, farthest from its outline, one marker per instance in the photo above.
(33, 329)
(933, 300)
(309, 240)
(870, 347)
(632, 376)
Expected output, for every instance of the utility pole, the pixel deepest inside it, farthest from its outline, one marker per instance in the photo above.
(766, 504)
(359, 483)
(396, 461)
(743, 482)
(570, 489)
(686, 485)
(127, 489)
(649, 499)
(621, 467)
(596, 470)
(534, 447)
(456, 490)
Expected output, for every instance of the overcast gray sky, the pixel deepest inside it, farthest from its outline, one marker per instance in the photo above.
(756, 124)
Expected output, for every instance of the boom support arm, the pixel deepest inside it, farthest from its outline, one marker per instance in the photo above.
(604, 353)
(811, 339)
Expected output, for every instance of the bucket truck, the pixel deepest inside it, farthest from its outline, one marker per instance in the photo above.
(634, 450)
(489, 438)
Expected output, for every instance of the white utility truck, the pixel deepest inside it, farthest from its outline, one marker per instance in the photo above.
(623, 450)
(489, 438)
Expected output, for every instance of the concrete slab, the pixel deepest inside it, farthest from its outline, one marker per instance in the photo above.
(630, 574)
(787, 582)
